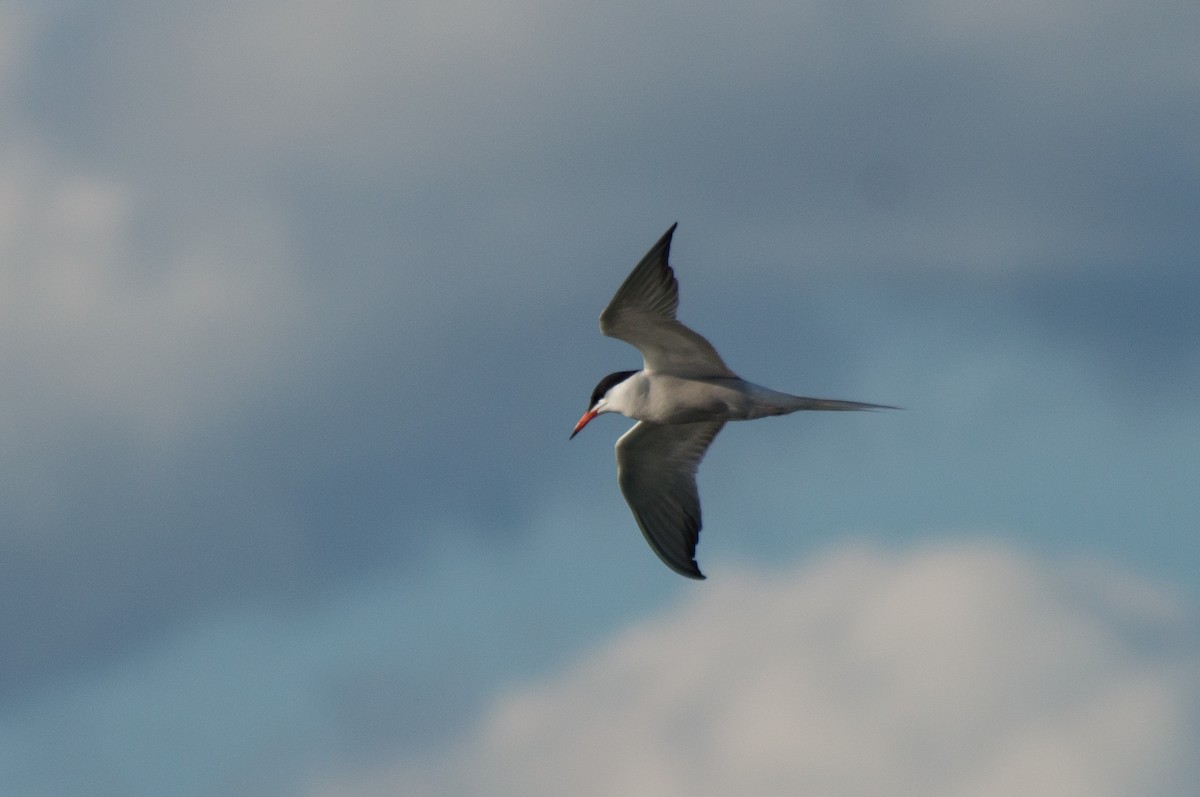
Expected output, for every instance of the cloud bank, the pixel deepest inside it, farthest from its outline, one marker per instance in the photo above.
(956, 670)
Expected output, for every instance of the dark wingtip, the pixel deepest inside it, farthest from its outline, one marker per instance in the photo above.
(665, 241)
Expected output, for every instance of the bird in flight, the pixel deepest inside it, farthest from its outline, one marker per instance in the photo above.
(680, 399)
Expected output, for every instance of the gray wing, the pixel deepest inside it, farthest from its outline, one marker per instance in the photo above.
(642, 313)
(656, 468)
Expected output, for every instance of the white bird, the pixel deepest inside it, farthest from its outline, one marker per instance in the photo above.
(680, 399)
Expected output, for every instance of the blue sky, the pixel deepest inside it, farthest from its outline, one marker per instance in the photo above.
(299, 306)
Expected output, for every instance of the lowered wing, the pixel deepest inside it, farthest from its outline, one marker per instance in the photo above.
(656, 468)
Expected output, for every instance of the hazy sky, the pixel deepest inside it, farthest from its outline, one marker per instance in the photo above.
(299, 305)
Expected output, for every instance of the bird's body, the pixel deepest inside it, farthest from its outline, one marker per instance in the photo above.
(681, 399)
(667, 399)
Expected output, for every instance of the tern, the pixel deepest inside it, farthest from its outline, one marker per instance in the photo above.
(681, 399)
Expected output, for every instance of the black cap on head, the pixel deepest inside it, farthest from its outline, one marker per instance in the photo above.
(606, 384)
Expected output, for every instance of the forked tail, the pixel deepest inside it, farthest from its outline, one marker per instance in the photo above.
(805, 403)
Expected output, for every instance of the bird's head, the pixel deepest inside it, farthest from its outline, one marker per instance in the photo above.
(598, 403)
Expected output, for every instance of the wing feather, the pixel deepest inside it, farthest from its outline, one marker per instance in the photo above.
(656, 468)
(642, 313)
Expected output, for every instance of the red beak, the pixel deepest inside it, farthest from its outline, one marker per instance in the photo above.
(587, 416)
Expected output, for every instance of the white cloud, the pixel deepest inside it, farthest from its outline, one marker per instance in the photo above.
(345, 83)
(107, 320)
(964, 670)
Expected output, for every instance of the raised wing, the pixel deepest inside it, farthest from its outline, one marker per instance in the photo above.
(656, 468)
(642, 313)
